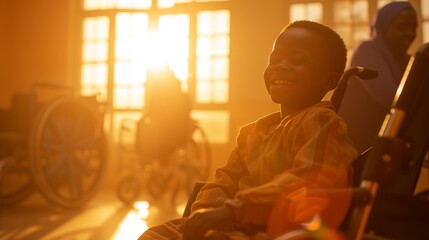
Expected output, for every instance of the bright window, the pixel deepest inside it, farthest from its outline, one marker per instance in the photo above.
(94, 56)
(124, 38)
(307, 11)
(130, 62)
(425, 16)
(118, 4)
(212, 57)
(351, 21)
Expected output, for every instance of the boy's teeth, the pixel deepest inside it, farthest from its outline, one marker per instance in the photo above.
(282, 82)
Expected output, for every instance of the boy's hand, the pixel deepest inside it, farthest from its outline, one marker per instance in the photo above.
(204, 220)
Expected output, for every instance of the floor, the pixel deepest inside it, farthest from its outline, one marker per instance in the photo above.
(103, 217)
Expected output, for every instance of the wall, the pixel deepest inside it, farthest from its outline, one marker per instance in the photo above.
(4, 23)
(35, 43)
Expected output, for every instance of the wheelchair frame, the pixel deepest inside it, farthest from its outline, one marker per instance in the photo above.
(52, 139)
(186, 165)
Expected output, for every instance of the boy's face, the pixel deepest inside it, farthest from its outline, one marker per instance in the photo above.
(298, 73)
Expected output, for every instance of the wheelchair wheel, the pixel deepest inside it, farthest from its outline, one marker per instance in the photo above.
(15, 177)
(67, 151)
(198, 158)
(128, 189)
(159, 179)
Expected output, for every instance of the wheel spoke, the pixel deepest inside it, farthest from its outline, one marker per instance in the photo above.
(79, 126)
(56, 165)
(55, 130)
(85, 142)
(74, 180)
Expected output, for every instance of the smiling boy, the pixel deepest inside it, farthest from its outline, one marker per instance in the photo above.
(278, 151)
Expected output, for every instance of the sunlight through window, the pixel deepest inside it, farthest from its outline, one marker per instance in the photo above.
(94, 56)
(425, 16)
(213, 57)
(110, 4)
(146, 35)
(134, 223)
(130, 60)
(308, 11)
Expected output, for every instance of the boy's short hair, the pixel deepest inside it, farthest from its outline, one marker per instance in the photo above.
(332, 39)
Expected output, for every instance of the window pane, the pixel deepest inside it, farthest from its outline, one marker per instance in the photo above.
(221, 46)
(100, 76)
(425, 9)
(221, 68)
(221, 22)
(360, 11)
(142, 4)
(122, 72)
(214, 124)
(94, 79)
(96, 28)
(120, 97)
(297, 12)
(101, 51)
(90, 4)
(166, 3)
(342, 12)
(176, 28)
(212, 56)
(204, 47)
(203, 92)
(381, 3)
(315, 12)
(102, 28)
(426, 32)
(205, 23)
(308, 11)
(124, 3)
(203, 69)
(345, 32)
(220, 92)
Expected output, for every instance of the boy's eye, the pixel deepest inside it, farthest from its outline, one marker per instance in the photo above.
(298, 60)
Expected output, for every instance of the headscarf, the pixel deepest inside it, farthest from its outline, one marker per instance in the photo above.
(385, 15)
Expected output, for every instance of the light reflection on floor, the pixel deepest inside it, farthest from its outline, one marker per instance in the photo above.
(103, 218)
(135, 223)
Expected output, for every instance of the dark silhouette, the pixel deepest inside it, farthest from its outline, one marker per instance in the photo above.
(166, 118)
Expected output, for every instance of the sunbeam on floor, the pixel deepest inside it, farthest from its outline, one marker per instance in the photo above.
(104, 217)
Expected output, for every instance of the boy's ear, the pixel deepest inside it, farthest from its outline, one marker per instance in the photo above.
(333, 80)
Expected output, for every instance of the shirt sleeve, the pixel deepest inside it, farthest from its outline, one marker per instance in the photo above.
(313, 143)
(225, 185)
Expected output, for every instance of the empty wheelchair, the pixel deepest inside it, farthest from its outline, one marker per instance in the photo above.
(176, 172)
(51, 140)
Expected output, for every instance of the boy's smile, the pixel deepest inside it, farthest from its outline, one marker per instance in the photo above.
(299, 72)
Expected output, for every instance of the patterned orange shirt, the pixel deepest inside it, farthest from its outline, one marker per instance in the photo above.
(273, 153)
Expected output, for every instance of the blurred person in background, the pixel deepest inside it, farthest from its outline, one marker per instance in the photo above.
(367, 102)
(166, 117)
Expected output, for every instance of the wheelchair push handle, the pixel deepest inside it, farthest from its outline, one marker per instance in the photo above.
(52, 85)
(360, 72)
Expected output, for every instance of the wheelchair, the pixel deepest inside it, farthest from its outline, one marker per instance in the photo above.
(51, 140)
(186, 164)
(384, 204)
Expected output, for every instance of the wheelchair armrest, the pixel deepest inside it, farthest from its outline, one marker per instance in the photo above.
(197, 187)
